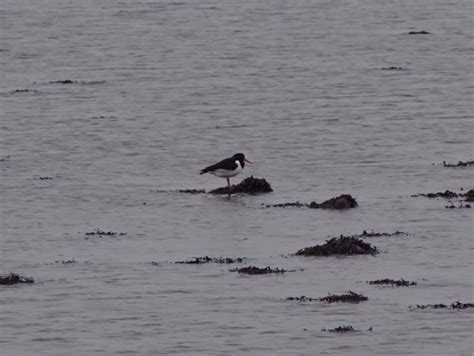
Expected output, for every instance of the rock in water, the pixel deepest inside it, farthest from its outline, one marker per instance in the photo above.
(13, 278)
(344, 201)
(469, 195)
(249, 185)
(343, 245)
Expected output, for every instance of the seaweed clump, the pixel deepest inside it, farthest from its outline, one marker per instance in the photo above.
(460, 206)
(350, 297)
(13, 278)
(252, 270)
(446, 195)
(392, 282)
(181, 191)
(393, 68)
(64, 81)
(207, 259)
(422, 32)
(469, 196)
(454, 306)
(381, 234)
(459, 164)
(100, 233)
(343, 245)
(249, 185)
(302, 299)
(340, 329)
(344, 201)
(341, 202)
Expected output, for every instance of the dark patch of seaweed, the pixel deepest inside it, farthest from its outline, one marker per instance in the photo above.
(343, 245)
(252, 270)
(349, 297)
(13, 278)
(341, 202)
(459, 164)
(453, 306)
(249, 185)
(393, 283)
(207, 259)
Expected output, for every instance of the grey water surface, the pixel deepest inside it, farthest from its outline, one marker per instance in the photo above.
(121, 102)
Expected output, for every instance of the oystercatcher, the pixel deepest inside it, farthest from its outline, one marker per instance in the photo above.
(228, 167)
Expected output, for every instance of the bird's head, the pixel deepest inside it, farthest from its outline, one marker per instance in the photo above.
(241, 158)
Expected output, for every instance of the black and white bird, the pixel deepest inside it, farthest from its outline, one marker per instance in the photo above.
(228, 167)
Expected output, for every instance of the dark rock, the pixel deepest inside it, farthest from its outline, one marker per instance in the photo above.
(343, 245)
(181, 191)
(446, 195)
(5, 158)
(249, 185)
(459, 305)
(350, 297)
(207, 259)
(101, 233)
(66, 81)
(252, 270)
(302, 299)
(21, 91)
(44, 178)
(393, 68)
(190, 191)
(422, 32)
(391, 282)
(456, 305)
(287, 205)
(469, 196)
(381, 234)
(459, 164)
(460, 206)
(13, 278)
(344, 201)
(341, 329)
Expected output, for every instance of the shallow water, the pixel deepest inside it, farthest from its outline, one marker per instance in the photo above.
(162, 89)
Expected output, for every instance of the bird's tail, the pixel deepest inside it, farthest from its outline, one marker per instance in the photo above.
(203, 171)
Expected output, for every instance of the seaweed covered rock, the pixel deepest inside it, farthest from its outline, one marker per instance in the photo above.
(349, 297)
(207, 259)
(13, 278)
(341, 202)
(341, 246)
(372, 233)
(249, 185)
(180, 191)
(344, 201)
(296, 204)
(422, 32)
(302, 299)
(252, 270)
(459, 164)
(454, 306)
(101, 233)
(469, 196)
(341, 329)
(446, 195)
(392, 282)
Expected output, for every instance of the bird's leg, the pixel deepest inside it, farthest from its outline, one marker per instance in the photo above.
(228, 184)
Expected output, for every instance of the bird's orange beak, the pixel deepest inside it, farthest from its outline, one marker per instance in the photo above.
(248, 161)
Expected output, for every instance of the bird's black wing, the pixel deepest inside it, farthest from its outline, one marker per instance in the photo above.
(227, 164)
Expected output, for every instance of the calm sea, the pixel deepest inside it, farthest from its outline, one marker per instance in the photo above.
(107, 105)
